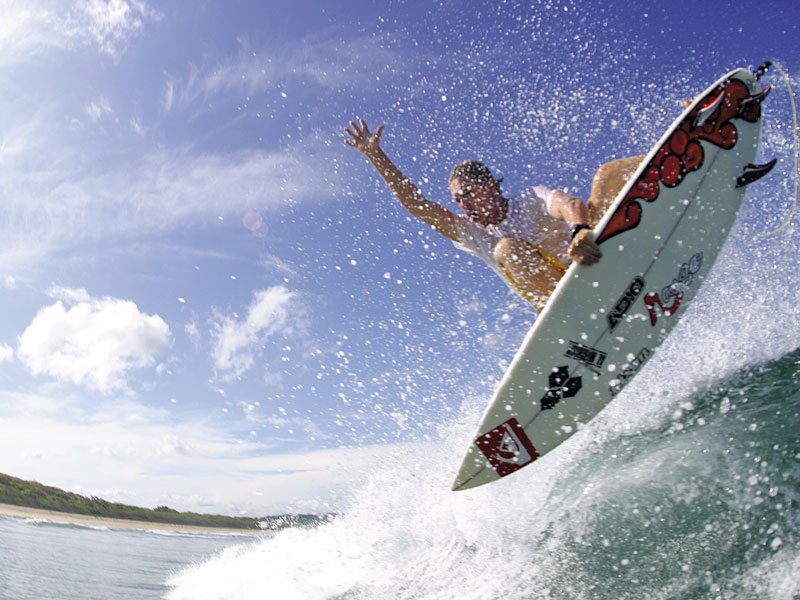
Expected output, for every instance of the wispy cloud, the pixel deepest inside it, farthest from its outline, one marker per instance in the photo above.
(66, 182)
(326, 60)
(273, 312)
(95, 342)
(112, 23)
(163, 191)
(98, 108)
(30, 29)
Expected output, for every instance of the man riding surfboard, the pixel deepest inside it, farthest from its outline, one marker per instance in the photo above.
(528, 239)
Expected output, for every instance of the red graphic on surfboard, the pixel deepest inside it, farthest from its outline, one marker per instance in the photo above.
(684, 279)
(682, 153)
(507, 447)
(652, 300)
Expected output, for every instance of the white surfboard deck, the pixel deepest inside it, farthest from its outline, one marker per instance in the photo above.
(603, 322)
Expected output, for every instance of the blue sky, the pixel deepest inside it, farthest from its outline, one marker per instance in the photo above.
(210, 302)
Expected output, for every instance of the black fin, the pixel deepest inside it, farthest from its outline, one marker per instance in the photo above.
(757, 99)
(753, 173)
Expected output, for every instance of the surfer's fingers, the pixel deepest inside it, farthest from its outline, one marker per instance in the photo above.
(585, 251)
(356, 127)
(364, 127)
(355, 141)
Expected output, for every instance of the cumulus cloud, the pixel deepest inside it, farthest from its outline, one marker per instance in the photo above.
(95, 342)
(272, 312)
(6, 353)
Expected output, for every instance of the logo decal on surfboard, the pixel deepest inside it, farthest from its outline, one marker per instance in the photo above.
(507, 447)
(673, 291)
(629, 370)
(625, 302)
(682, 153)
(561, 386)
(591, 357)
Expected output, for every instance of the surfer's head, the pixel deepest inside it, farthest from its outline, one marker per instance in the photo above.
(477, 192)
(474, 171)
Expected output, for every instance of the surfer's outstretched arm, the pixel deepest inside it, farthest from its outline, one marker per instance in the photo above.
(368, 143)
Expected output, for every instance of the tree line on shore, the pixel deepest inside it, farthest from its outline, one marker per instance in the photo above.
(32, 494)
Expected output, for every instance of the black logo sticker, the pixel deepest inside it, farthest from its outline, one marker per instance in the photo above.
(625, 302)
(629, 370)
(591, 357)
(561, 386)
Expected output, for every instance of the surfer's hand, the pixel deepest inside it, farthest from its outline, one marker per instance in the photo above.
(363, 140)
(583, 250)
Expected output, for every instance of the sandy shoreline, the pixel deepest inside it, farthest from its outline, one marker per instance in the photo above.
(74, 519)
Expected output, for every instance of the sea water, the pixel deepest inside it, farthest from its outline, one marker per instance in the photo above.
(42, 559)
(700, 502)
(689, 497)
(686, 487)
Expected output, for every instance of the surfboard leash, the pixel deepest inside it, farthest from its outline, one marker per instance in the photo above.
(758, 73)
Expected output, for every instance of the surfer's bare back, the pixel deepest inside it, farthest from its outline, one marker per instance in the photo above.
(528, 239)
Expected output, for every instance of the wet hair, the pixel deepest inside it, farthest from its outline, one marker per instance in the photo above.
(475, 171)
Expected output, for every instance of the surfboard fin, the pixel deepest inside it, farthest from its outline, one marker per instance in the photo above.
(747, 103)
(707, 110)
(753, 173)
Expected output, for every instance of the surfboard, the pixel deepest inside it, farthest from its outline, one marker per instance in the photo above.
(659, 238)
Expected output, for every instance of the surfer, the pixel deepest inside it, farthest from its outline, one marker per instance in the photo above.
(528, 239)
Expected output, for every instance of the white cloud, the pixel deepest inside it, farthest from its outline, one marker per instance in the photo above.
(6, 353)
(94, 343)
(30, 29)
(140, 456)
(276, 263)
(326, 60)
(112, 23)
(97, 109)
(192, 331)
(137, 126)
(69, 295)
(273, 312)
(26, 31)
(58, 206)
(169, 95)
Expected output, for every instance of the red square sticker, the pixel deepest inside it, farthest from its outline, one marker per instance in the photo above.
(507, 447)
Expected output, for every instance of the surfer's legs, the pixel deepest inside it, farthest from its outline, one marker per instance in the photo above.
(607, 183)
(530, 270)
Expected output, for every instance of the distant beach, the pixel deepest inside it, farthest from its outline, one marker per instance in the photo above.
(76, 519)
